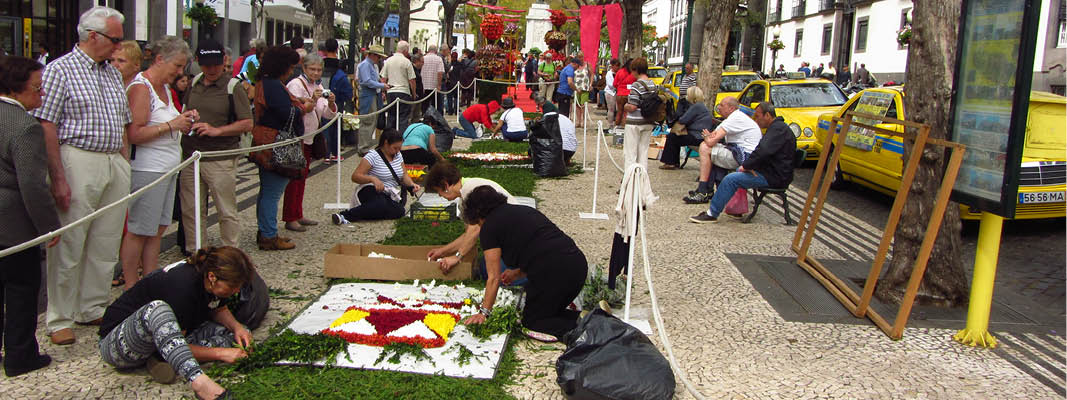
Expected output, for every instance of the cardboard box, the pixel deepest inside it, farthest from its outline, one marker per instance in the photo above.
(655, 146)
(346, 260)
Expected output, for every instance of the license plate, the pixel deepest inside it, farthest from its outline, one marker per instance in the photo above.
(1041, 197)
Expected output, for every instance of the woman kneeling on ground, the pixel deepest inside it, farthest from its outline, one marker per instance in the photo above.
(444, 179)
(420, 143)
(383, 184)
(522, 237)
(180, 312)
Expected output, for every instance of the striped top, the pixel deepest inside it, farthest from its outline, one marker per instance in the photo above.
(687, 82)
(636, 90)
(379, 170)
(86, 101)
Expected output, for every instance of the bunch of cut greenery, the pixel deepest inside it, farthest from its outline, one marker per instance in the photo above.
(596, 289)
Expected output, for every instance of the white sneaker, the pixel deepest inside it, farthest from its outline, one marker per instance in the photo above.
(479, 130)
(339, 219)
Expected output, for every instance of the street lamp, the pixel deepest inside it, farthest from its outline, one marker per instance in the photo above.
(775, 32)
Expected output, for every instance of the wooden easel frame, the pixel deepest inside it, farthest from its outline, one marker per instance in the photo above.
(859, 305)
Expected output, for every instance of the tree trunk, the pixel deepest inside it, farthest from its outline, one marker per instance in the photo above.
(631, 29)
(713, 49)
(322, 10)
(405, 19)
(930, 67)
(449, 22)
(751, 42)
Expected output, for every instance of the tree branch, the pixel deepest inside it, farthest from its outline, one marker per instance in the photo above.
(420, 8)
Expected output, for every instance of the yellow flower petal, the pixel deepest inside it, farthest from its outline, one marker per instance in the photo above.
(441, 324)
(349, 316)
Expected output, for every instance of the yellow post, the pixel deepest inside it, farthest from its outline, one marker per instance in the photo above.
(985, 270)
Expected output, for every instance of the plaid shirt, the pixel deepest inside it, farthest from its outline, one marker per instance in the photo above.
(86, 101)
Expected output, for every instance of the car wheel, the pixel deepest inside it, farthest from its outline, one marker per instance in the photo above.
(839, 182)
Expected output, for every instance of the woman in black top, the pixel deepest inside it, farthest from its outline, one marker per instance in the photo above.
(696, 119)
(523, 237)
(180, 313)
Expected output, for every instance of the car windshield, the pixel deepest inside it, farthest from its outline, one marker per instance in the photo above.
(735, 83)
(815, 94)
(657, 73)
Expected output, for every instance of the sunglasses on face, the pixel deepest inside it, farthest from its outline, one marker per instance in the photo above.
(113, 40)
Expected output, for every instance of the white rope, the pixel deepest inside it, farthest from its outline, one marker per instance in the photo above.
(225, 153)
(652, 295)
(610, 157)
(517, 83)
(95, 214)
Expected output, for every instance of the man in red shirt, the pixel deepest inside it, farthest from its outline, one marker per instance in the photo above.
(481, 113)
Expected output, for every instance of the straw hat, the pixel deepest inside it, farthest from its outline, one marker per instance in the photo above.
(377, 49)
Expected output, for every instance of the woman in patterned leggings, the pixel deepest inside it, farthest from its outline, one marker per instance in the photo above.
(177, 317)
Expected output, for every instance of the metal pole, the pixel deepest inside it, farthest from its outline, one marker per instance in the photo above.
(634, 206)
(985, 270)
(585, 123)
(596, 179)
(196, 194)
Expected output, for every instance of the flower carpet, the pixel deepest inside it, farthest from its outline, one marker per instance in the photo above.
(373, 316)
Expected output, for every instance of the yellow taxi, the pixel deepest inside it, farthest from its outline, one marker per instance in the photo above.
(879, 167)
(799, 101)
(657, 74)
(731, 84)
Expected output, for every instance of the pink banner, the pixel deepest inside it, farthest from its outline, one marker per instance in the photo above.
(613, 12)
(591, 16)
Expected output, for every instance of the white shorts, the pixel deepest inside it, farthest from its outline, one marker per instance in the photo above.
(155, 207)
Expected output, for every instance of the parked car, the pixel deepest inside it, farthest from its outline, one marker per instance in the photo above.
(731, 84)
(799, 101)
(657, 74)
(1044, 163)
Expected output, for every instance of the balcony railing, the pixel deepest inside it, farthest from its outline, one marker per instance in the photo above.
(826, 5)
(799, 9)
(773, 17)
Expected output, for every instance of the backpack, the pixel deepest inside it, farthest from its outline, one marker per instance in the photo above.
(246, 137)
(653, 102)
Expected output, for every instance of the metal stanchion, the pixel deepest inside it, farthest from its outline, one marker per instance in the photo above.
(338, 205)
(596, 181)
(196, 194)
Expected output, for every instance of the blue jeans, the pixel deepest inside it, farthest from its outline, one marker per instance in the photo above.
(467, 131)
(515, 136)
(729, 186)
(271, 187)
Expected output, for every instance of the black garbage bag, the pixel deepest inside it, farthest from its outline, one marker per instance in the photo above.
(607, 359)
(252, 303)
(546, 147)
(442, 133)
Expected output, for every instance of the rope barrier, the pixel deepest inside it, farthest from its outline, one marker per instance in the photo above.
(95, 214)
(517, 83)
(611, 157)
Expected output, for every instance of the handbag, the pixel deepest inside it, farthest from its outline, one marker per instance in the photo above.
(290, 156)
(287, 163)
(738, 204)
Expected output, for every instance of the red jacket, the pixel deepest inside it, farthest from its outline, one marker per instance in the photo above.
(481, 112)
(623, 79)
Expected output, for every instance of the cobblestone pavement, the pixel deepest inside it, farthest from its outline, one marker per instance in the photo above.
(728, 339)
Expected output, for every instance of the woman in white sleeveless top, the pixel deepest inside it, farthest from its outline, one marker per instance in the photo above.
(155, 133)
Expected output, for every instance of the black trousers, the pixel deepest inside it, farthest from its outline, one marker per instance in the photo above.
(20, 284)
(564, 103)
(405, 111)
(374, 206)
(672, 150)
(418, 156)
(546, 302)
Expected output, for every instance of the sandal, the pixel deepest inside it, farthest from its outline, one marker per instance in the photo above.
(118, 282)
(540, 337)
(668, 166)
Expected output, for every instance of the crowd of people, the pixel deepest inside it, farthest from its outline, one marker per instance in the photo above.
(110, 118)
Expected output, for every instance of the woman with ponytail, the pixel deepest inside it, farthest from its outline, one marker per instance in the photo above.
(180, 313)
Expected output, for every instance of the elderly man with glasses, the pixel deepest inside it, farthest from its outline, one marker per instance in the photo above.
(86, 121)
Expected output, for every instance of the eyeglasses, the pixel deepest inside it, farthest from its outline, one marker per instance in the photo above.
(113, 40)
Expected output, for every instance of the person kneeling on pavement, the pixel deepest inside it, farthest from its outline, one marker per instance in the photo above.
(445, 179)
(383, 184)
(480, 113)
(511, 126)
(420, 143)
(739, 136)
(769, 165)
(523, 237)
(180, 313)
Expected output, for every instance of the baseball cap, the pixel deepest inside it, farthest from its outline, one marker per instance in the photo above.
(210, 52)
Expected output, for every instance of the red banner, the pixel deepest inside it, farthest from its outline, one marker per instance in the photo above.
(591, 16)
(613, 12)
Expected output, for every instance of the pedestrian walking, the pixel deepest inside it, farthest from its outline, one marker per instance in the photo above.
(85, 116)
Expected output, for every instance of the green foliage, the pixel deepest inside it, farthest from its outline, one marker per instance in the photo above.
(463, 354)
(502, 320)
(339, 32)
(596, 289)
(294, 347)
(410, 232)
(203, 15)
(517, 181)
(499, 146)
(396, 350)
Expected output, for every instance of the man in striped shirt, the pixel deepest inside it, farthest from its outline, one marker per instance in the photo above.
(689, 79)
(86, 120)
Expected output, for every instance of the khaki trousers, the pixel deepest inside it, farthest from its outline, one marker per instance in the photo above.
(635, 144)
(547, 91)
(219, 178)
(81, 265)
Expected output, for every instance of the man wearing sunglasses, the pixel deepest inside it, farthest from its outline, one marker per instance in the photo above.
(85, 117)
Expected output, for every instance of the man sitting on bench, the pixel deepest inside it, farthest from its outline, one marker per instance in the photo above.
(726, 148)
(769, 165)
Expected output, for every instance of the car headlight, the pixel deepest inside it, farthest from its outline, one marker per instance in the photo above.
(808, 132)
(795, 128)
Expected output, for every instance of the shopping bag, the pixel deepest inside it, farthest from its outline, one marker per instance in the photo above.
(738, 204)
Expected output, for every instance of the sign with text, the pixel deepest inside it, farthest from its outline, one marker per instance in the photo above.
(874, 103)
(391, 29)
(992, 93)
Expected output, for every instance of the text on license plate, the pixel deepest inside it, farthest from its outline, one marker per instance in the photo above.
(1041, 197)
